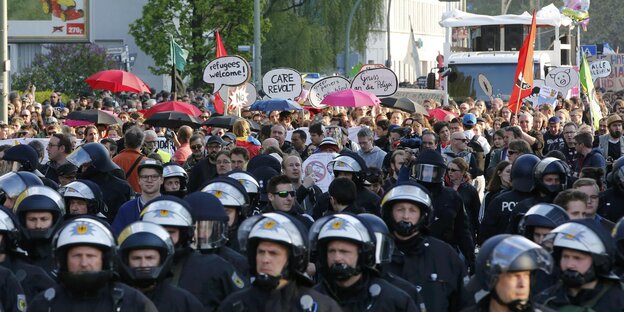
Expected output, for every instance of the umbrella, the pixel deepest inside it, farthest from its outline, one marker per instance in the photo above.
(404, 104)
(351, 98)
(95, 116)
(226, 122)
(117, 81)
(275, 105)
(440, 114)
(173, 106)
(173, 120)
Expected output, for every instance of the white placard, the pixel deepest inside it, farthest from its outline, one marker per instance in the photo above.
(562, 79)
(600, 69)
(324, 87)
(228, 70)
(282, 83)
(378, 81)
(318, 163)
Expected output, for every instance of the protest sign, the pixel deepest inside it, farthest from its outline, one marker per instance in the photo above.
(378, 81)
(324, 87)
(228, 70)
(282, 83)
(318, 165)
(600, 69)
(562, 79)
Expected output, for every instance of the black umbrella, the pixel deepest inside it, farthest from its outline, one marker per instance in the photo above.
(226, 122)
(404, 104)
(95, 116)
(173, 120)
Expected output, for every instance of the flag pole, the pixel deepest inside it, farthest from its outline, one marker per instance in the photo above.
(174, 89)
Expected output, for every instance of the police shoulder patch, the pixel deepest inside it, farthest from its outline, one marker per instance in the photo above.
(238, 282)
(21, 302)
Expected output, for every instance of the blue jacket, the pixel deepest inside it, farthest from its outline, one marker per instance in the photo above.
(128, 213)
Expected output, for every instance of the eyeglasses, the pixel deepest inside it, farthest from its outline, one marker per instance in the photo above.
(510, 152)
(224, 162)
(53, 145)
(80, 132)
(284, 194)
(204, 117)
(463, 140)
(196, 147)
(149, 177)
(25, 115)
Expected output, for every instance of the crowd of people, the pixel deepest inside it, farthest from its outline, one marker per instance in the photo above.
(480, 209)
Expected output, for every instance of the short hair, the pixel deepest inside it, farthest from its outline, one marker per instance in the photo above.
(133, 138)
(520, 146)
(567, 196)
(184, 134)
(241, 151)
(365, 133)
(64, 141)
(226, 153)
(289, 155)
(570, 124)
(113, 145)
(302, 135)
(584, 138)
(383, 124)
(438, 126)
(586, 182)
(343, 190)
(127, 125)
(277, 180)
(197, 136)
(594, 173)
(150, 133)
(499, 132)
(39, 148)
(436, 138)
(517, 132)
(316, 128)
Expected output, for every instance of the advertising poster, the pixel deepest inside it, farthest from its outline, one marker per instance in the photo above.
(48, 20)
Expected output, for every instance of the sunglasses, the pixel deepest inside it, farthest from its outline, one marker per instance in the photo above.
(453, 170)
(463, 140)
(196, 147)
(511, 152)
(284, 194)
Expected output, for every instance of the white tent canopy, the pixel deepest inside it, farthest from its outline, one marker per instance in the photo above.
(548, 15)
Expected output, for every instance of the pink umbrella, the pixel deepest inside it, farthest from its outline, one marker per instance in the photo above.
(440, 114)
(351, 98)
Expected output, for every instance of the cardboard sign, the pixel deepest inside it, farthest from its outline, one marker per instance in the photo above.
(238, 96)
(562, 79)
(282, 83)
(378, 81)
(600, 69)
(324, 87)
(228, 71)
(318, 164)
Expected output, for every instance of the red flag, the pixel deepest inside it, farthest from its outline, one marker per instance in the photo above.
(523, 80)
(218, 103)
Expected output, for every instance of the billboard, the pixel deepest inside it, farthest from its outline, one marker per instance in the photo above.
(48, 20)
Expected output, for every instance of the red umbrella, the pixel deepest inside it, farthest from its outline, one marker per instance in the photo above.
(440, 114)
(173, 106)
(117, 81)
(351, 98)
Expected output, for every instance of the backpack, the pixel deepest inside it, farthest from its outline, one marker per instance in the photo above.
(478, 152)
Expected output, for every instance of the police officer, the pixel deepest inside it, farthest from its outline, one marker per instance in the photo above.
(346, 253)
(96, 165)
(585, 253)
(611, 200)
(252, 186)
(145, 259)
(277, 251)
(449, 221)
(496, 216)
(235, 200)
(550, 176)
(83, 197)
(430, 264)
(175, 179)
(502, 279)
(40, 211)
(14, 183)
(618, 237)
(190, 271)
(24, 158)
(211, 230)
(349, 165)
(85, 250)
(33, 279)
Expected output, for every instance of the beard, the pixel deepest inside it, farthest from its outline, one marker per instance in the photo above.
(615, 134)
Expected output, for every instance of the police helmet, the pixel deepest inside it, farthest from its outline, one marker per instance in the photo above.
(85, 231)
(14, 183)
(230, 192)
(407, 192)
(542, 215)
(95, 154)
(211, 221)
(170, 211)
(588, 236)
(522, 173)
(384, 243)
(246, 179)
(347, 228)
(150, 163)
(618, 237)
(87, 191)
(429, 167)
(507, 253)
(348, 161)
(23, 154)
(550, 165)
(279, 228)
(172, 170)
(9, 228)
(39, 199)
(145, 235)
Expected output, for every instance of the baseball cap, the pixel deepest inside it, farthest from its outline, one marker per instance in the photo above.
(554, 120)
(469, 119)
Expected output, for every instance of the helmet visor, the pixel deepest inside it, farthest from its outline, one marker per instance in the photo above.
(428, 173)
(517, 253)
(384, 247)
(210, 234)
(11, 185)
(79, 157)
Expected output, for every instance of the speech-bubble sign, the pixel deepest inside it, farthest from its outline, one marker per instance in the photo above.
(282, 83)
(245, 94)
(324, 87)
(600, 69)
(378, 81)
(562, 79)
(228, 70)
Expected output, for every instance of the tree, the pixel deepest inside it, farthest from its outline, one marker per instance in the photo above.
(192, 23)
(64, 67)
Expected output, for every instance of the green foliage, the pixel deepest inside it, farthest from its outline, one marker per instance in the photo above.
(191, 23)
(64, 68)
(41, 96)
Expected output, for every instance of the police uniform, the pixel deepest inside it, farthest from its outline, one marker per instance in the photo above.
(33, 279)
(12, 297)
(169, 298)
